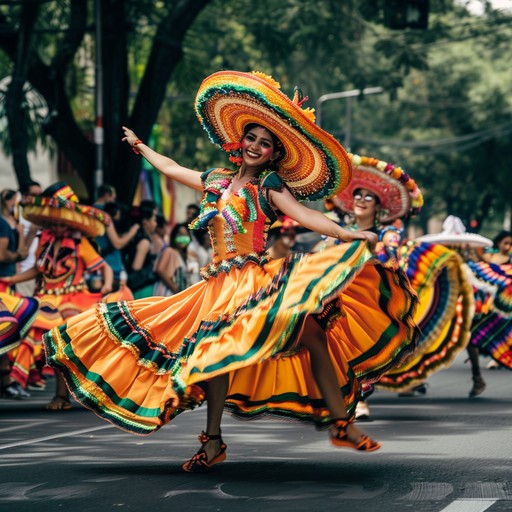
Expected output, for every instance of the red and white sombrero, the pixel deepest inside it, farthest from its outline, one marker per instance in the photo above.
(399, 195)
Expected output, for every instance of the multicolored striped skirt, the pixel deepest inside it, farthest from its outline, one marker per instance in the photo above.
(129, 361)
(491, 330)
(444, 315)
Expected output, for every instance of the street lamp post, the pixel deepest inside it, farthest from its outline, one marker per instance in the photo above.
(348, 95)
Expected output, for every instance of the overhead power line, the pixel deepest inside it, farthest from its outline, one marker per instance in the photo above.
(435, 146)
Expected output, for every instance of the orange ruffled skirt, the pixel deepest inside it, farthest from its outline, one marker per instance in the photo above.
(127, 361)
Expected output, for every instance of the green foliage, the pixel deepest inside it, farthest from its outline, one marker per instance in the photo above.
(444, 115)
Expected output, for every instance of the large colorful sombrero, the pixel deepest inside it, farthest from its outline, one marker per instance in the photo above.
(59, 204)
(315, 164)
(398, 194)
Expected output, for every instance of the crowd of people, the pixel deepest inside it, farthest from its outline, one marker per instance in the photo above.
(136, 253)
(229, 307)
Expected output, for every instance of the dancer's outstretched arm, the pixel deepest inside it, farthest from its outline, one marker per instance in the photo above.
(163, 164)
(315, 220)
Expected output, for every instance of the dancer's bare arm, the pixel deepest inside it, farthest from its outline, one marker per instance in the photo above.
(315, 220)
(164, 164)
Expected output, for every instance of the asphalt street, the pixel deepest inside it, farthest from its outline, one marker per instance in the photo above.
(442, 452)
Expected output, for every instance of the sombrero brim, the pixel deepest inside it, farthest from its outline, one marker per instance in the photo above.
(315, 164)
(87, 219)
(451, 239)
(398, 194)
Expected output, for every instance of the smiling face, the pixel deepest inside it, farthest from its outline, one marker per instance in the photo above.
(258, 147)
(365, 205)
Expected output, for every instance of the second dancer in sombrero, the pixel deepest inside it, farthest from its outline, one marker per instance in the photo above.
(138, 363)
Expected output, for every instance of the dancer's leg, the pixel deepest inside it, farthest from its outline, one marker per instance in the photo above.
(478, 381)
(215, 397)
(212, 448)
(313, 338)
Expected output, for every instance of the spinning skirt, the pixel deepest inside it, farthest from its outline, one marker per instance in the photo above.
(444, 314)
(491, 331)
(16, 316)
(127, 361)
(53, 311)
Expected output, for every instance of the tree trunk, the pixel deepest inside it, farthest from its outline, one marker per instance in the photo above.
(115, 88)
(165, 55)
(17, 115)
(121, 167)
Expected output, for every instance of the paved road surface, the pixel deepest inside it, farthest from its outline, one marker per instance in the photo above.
(441, 453)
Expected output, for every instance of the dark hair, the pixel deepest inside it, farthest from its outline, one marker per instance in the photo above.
(160, 221)
(199, 235)
(25, 188)
(500, 236)
(105, 189)
(278, 145)
(7, 194)
(174, 233)
(112, 208)
(142, 212)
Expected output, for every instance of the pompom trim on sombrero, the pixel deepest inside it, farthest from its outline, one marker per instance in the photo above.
(399, 195)
(63, 207)
(315, 164)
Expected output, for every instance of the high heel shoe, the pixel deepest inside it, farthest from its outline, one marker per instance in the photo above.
(199, 463)
(340, 437)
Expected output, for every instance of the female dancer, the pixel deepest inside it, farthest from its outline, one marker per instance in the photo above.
(249, 311)
(62, 257)
(16, 317)
(435, 272)
(501, 253)
(378, 195)
(491, 330)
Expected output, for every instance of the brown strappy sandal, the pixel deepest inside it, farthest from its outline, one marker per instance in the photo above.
(340, 438)
(59, 403)
(199, 463)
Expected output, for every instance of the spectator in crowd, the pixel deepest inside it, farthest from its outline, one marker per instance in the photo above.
(105, 194)
(140, 254)
(199, 254)
(30, 232)
(161, 237)
(12, 251)
(281, 239)
(113, 241)
(170, 268)
(191, 212)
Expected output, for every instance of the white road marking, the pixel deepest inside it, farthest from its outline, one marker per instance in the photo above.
(56, 436)
(23, 426)
(469, 506)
